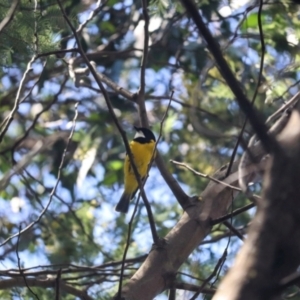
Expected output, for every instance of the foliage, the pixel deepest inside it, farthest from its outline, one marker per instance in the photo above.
(80, 227)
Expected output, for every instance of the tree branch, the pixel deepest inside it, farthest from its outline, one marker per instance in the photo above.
(9, 16)
(254, 118)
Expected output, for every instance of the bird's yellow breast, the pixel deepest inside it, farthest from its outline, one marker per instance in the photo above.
(142, 154)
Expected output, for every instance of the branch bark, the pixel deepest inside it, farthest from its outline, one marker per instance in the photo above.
(272, 250)
(158, 271)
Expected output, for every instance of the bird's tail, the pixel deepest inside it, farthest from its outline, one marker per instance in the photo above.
(123, 204)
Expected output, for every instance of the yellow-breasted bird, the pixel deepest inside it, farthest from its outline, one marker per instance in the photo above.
(142, 148)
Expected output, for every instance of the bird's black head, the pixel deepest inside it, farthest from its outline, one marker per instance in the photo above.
(143, 135)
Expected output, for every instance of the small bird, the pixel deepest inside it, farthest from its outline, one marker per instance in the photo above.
(142, 148)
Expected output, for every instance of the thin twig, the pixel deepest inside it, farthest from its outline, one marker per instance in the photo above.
(234, 230)
(211, 276)
(129, 232)
(58, 52)
(141, 91)
(233, 214)
(17, 100)
(55, 186)
(205, 175)
(92, 15)
(19, 266)
(146, 202)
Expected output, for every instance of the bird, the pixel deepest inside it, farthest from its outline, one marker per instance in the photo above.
(142, 147)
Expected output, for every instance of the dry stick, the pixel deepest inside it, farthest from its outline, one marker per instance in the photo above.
(227, 224)
(19, 266)
(268, 142)
(205, 175)
(55, 186)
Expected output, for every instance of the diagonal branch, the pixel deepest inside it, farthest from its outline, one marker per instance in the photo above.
(255, 119)
(10, 15)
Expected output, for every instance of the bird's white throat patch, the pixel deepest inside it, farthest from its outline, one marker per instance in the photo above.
(139, 134)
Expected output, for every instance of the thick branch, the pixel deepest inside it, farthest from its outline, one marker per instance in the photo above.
(157, 272)
(272, 250)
